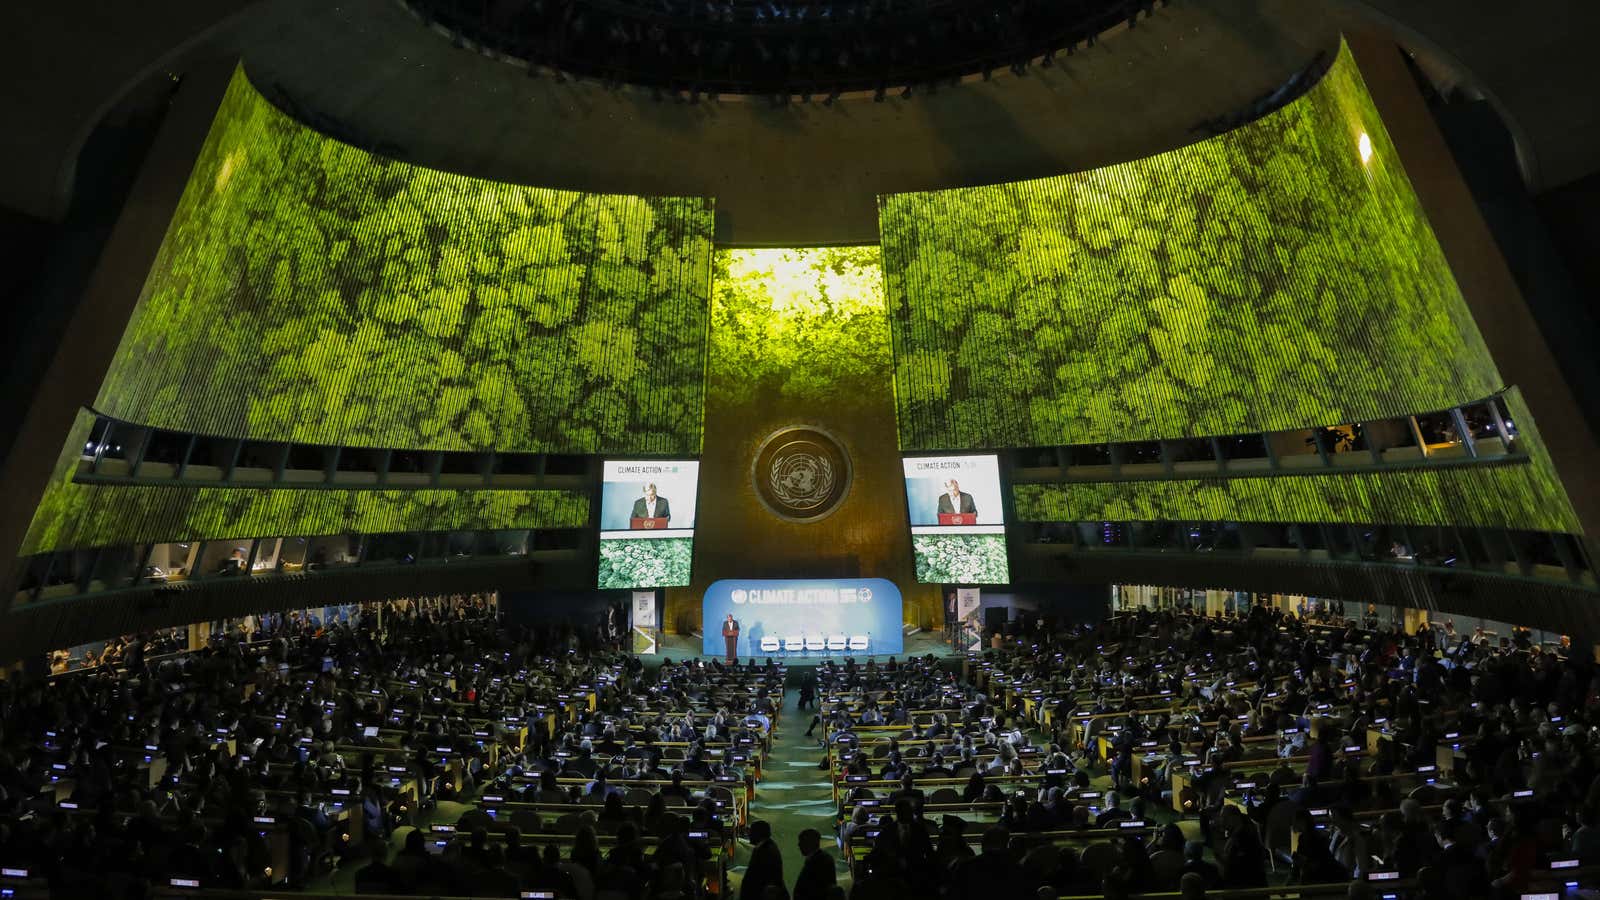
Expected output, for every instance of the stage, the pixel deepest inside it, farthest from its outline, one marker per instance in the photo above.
(921, 643)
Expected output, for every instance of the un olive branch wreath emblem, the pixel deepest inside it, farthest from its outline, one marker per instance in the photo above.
(801, 480)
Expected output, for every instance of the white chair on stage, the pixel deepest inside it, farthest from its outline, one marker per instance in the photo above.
(770, 644)
(815, 642)
(860, 642)
(837, 643)
(794, 643)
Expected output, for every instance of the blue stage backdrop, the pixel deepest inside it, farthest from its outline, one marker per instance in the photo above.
(840, 616)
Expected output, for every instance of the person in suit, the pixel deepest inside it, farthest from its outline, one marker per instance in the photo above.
(651, 506)
(311, 812)
(730, 636)
(766, 863)
(955, 500)
(908, 790)
(993, 873)
(816, 873)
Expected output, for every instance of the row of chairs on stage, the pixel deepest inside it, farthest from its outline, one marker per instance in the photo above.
(808, 644)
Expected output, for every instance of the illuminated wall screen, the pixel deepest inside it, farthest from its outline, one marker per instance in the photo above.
(313, 292)
(1264, 279)
(647, 513)
(958, 526)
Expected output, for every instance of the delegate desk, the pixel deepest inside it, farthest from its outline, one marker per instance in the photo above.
(859, 844)
(1562, 874)
(718, 846)
(739, 802)
(880, 787)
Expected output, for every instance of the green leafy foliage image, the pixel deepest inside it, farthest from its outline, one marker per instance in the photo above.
(961, 558)
(1274, 276)
(796, 326)
(76, 514)
(1521, 492)
(1500, 496)
(311, 291)
(635, 563)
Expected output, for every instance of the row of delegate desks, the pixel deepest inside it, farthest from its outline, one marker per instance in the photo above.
(719, 847)
(737, 802)
(345, 821)
(1561, 876)
(22, 884)
(859, 845)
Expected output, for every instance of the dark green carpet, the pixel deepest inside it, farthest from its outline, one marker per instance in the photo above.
(793, 794)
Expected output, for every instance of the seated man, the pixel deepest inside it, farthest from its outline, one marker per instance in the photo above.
(1113, 813)
(1194, 862)
(908, 791)
(677, 789)
(311, 812)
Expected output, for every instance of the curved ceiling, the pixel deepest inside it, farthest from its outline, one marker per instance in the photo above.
(798, 174)
(801, 174)
(765, 47)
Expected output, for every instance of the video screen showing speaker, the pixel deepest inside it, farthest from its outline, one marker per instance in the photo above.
(811, 617)
(647, 510)
(958, 526)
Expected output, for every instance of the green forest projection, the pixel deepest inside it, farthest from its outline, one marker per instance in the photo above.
(961, 558)
(655, 562)
(310, 291)
(73, 514)
(804, 328)
(797, 325)
(1490, 496)
(1260, 280)
(1521, 493)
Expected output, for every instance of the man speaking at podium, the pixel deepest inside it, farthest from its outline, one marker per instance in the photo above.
(651, 506)
(956, 501)
(730, 636)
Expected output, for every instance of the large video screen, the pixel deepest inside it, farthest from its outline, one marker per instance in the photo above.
(311, 291)
(802, 617)
(647, 510)
(1224, 287)
(958, 525)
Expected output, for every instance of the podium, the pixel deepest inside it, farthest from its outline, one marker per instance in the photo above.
(958, 518)
(647, 523)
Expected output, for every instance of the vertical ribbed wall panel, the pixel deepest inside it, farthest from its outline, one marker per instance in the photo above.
(1265, 279)
(1521, 496)
(98, 515)
(313, 292)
